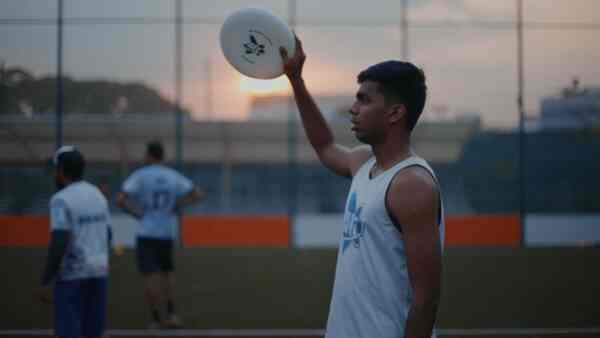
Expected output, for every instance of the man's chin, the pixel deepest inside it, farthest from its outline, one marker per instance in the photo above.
(362, 138)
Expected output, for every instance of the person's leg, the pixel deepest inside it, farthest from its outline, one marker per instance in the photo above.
(67, 309)
(149, 267)
(95, 303)
(152, 293)
(168, 279)
(168, 284)
(169, 287)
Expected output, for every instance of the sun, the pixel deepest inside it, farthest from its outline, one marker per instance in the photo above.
(258, 87)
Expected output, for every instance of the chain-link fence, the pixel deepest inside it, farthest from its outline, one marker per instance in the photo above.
(124, 73)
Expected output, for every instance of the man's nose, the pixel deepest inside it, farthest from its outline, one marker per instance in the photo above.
(352, 111)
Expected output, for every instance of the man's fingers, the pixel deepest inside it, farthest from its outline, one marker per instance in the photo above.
(284, 54)
(298, 43)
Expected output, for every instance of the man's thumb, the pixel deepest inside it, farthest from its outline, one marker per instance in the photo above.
(283, 52)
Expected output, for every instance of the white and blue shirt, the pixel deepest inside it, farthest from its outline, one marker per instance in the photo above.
(82, 209)
(372, 293)
(156, 188)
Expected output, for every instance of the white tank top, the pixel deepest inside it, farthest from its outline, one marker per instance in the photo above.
(372, 293)
(81, 209)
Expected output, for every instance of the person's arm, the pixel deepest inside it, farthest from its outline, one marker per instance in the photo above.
(413, 202)
(60, 237)
(340, 159)
(109, 236)
(59, 242)
(130, 187)
(194, 196)
(125, 203)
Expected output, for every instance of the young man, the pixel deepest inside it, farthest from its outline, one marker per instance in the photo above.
(388, 273)
(153, 194)
(77, 263)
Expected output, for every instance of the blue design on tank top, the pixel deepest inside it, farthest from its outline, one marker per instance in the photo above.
(354, 226)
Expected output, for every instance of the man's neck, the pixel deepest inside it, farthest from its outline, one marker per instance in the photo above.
(391, 152)
(68, 182)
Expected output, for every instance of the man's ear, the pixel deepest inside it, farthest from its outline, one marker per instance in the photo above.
(60, 173)
(397, 112)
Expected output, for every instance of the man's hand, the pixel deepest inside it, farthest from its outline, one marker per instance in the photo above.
(292, 66)
(195, 195)
(124, 203)
(44, 294)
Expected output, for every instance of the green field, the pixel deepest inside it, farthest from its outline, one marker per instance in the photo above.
(260, 288)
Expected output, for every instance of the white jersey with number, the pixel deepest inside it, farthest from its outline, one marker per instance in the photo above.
(156, 188)
(372, 293)
(82, 209)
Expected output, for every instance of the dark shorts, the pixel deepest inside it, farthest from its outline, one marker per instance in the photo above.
(80, 307)
(154, 255)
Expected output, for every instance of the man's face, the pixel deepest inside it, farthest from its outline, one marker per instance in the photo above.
(59, 178)
(368, 114)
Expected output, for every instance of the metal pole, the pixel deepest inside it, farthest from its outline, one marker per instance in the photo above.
(208, 100)
(59, 81)
(404, 29)
(521, 106)
(292, 137)
(178, 87)
(178, 112)
(226, 167)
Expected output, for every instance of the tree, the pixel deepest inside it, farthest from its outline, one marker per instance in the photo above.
(20, 91)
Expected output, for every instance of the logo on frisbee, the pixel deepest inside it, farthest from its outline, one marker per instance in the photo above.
(255, 46)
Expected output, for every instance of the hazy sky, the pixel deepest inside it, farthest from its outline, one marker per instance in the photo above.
(470, 67)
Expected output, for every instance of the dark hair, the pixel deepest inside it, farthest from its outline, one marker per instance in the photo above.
(399, 81)
(155, 150)
(71, 163)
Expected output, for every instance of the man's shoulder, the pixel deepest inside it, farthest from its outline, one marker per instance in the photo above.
(57, 198)
(139, 171)
(416, 184)
(415, 176)
(89, 188)
(64, 194)
(155, 169)
(75, 191)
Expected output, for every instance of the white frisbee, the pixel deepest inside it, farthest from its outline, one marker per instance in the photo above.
(250, 41)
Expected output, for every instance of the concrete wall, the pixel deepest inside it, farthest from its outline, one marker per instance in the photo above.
(122, 140)
(323, 230)
(562, 230)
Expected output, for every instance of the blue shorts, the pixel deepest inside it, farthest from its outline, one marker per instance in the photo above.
(80, 307)
(154, 255)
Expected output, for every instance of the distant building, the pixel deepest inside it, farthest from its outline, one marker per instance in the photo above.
(277, 107)
(575, 108)
(336, 108)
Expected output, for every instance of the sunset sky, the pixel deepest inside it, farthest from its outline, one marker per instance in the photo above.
(470, 65)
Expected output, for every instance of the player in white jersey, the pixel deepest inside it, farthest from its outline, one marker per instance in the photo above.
(77, 263)
(154, 194)
(388, 274)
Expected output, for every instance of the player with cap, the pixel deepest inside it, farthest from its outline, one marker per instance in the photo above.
(388, 275)
(154, 194)
(78, 255)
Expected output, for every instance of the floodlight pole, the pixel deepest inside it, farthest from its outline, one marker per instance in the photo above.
(404, 29)
(59, 105)
(521, 106)
(292, 137)
(178, 112)
(178, 87)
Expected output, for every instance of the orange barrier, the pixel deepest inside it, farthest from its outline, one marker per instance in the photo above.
(490, 230)
(24, 230)
(483, 230)
(236, 231)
